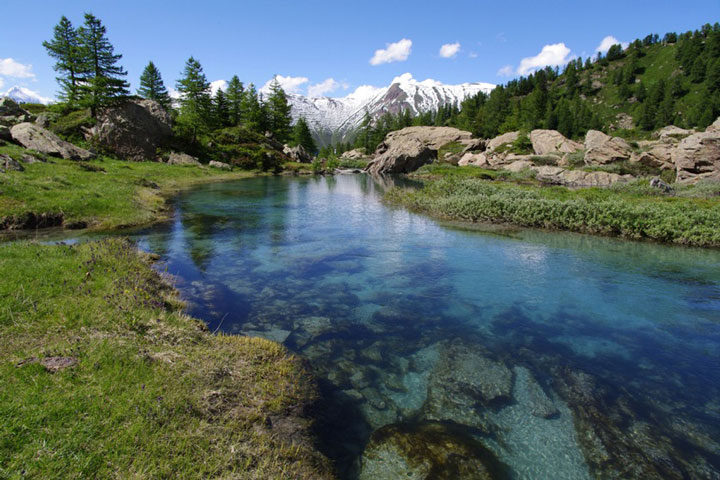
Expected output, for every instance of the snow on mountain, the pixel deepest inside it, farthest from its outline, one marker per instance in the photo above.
(25, 95)
(332, 119)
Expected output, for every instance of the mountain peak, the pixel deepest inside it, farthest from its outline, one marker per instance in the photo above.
(25, 95)
(335, 119)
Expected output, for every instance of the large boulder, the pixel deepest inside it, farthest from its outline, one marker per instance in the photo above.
(37, 138)
(135, 129)
(500, 140)
(672, 134)
(655, 155)
(601, 149)
(545, 142)
(176, 158)
(297, 154)
(697, 157)
(406, 150)
(356, 154)
(427, 451)
(474, 159)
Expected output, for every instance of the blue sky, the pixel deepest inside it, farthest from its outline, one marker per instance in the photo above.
(326, 47)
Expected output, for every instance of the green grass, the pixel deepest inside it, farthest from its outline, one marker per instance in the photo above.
(452, 147)
(124, 194)
(690, 217)
(152, 394)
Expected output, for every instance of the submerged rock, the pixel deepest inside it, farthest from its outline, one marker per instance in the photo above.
(464, 384)
(428, 450)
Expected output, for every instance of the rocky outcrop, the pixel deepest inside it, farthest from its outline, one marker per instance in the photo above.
(134, 130)
(37, 138)
(406, 150)
(297, 154)
(176, 158)
(475, 159)
(219, 165)
(569, 178)
(496, 142)
(8, 163)
(715, 127)
(546, 142)
(697, 157)
(11, 113)
(655, 155)
(672, 134)
(426, 451)
(356, 154)
(601, 149)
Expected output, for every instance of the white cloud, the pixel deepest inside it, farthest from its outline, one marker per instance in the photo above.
(506, 71)
(174, 93)
(449, 50)
(326, 86)
(608, 42)
(218, 85)
(472, 55)
(289, 84)
(554, 55)
(395, 52)
(11, 68)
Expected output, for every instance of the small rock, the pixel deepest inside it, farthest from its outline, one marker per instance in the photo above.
(182, 159)
(659, 184)
(220, 165)
(54, 364)
(8, 163)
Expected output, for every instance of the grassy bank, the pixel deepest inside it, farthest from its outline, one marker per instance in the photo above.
(102, 376)
(690, 216)
(104, 193)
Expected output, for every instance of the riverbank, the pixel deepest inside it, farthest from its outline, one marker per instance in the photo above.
(104, 376)
(688, 216)
(103, 194)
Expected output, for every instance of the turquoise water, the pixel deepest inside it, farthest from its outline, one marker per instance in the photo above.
(569, 356)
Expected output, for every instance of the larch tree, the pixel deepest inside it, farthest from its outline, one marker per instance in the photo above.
(221, 111)
(65, 49)
(279, 112)
(303, 137)
(234, 93)
(152, 86)
(195, 102)
(102, 83)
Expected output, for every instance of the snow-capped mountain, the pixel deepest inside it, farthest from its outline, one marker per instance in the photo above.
(25, 95)
(332, 119)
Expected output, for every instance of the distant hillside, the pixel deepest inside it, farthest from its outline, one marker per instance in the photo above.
(656, 81)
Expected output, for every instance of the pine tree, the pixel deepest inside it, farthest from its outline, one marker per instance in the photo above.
(303, 137)
(253, 115)
(279, 112)
(102, 83)
(152, 86)
(221, 112)
(65, 49)
(234, 94)
(195, 101)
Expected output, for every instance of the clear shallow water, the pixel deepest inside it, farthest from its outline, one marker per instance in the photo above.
(569, 356)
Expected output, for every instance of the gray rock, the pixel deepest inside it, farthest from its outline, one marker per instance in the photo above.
(601, 149)
(463, 384)
(297, 154)
(7, 163)
(502, 140)
(28, 158)
(475, 159)
(45, 118)
(220, 165)
(427, 451)
(37, 138)
(9, 108)
(357, 154)
(406, 150)
(176, 158)
(697, 157)
(5, 133)
(551, 141)
(657, 155)
(528, 391)
(134, 130)
(660, 185)
(672, 134)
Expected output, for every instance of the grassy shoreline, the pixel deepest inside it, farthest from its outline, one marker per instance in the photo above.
(147, 391)
(633, 211)
(104, 194)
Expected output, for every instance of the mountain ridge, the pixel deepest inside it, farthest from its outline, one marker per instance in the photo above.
(333, 120)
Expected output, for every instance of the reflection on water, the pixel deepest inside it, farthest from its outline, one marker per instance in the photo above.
(567, 356)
